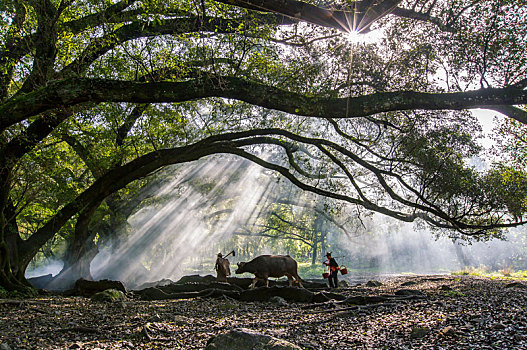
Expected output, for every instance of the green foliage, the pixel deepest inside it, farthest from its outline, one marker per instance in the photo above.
(3, 293)
(509, 187)
(109, 295)
(25, 293)
(511, 142)
(454, 294)
(306, 270)
(507, 273)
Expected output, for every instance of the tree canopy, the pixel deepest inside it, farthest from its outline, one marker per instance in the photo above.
(96, 95)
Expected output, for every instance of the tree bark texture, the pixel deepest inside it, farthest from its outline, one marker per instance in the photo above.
(74, 91)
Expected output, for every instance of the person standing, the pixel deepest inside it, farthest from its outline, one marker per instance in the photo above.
(222, 268)
(333, 270)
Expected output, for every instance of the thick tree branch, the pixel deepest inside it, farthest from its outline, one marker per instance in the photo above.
(357, 18)
(108, 15)
(33, 134)
(425, 17)
(44, 44)
(511, 112)
(136, 30)
(84, 153)
(72, 91)
(9, 58)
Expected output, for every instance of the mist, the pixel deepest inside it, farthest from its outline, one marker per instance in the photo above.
(199, 207)
(386, 246)
(49, 267)
(192, 215)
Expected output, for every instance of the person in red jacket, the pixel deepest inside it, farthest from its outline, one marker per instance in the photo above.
(333, 270)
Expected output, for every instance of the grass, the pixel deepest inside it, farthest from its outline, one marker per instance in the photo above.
(483, 271)
(454, 293)
(306, 270)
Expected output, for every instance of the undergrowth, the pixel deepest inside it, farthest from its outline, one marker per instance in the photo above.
(505, 273)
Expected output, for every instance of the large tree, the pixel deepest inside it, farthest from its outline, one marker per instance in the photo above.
(382, 126)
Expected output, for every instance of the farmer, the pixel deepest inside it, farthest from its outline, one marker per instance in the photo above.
(333, 271)
(222, 268)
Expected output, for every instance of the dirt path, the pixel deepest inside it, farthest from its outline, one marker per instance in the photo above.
(456, 312)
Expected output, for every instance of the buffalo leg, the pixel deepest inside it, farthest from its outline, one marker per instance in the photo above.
(299, 280)
(289, 279)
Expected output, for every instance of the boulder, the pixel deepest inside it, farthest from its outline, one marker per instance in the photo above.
(196, 279)
(516, 285)
(109, 295)
(278, 300)
(88, 288)
(40, 282)
(408, 283)
(344, 284)
(160, 283)
(334, 296)
(419, 332)
(246, 339)
(373, 284)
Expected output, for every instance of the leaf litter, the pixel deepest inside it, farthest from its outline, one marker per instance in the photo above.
(454, 312)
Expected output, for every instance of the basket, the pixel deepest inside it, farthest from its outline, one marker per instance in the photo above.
(325, 275)
(343, 270)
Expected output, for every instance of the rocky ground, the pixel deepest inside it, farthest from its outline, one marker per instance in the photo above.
(454, 312)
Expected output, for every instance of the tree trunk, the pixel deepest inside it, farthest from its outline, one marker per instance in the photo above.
(461, 256)
(11, 273)
(314, 248)
(80, 252)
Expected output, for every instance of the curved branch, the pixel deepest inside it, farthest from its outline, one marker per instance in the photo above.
(356, 18)
(230, 143)
(511, 112)
(73, 91)
(135, 30)
(425, 17)
(108, 15)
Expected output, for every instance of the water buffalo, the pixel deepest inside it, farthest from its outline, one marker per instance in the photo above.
(265, 266)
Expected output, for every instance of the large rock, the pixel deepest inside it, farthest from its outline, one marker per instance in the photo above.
(196, 279)
(160, 283)
(409, 292)
(197, 287)
(40, 282)
(246, 339)
(373, 284)
(109, 295)
(243, 282)
(88, 288)
(516, 285)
